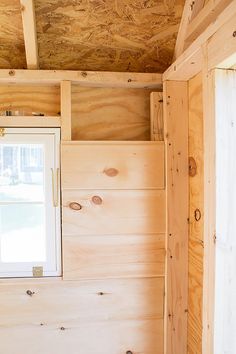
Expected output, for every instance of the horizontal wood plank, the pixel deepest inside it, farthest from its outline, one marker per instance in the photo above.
(119, 337)
(68, 303)
(120, 212)
(111, 165)
(30, 122)
(83, 78)
(113, 256)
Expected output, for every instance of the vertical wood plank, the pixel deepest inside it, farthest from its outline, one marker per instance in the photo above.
(156, 116)
(66, 110)
(196, 200)
(209, 206)
(30, 33)
(176, 132)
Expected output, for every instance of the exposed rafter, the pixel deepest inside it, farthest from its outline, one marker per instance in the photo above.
(30, 34)
(191, 9)
(207, 15)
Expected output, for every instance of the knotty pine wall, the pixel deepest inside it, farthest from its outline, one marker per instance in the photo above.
(111, 298)
(196, 241)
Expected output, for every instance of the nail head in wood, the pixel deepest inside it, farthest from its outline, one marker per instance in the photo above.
(75, 206)
(97, 200)
(192, 167)
(111, 172)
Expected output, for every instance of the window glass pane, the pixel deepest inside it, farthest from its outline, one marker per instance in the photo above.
(22, 233)
(21, 172)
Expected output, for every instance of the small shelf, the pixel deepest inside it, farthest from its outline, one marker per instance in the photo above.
(30, 121)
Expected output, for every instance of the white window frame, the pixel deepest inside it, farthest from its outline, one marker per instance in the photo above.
(50, 138)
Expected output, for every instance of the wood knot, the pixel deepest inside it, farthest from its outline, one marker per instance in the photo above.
(75, 206)
(62, 328)
(22, 8)
(84, 74)
(234, 34)
(111, 172)
(129, 80)
(30, 293)
(11, 72)
(192, 167)
(129, 352)
(100, 293)
(97, 200)
(197, 214)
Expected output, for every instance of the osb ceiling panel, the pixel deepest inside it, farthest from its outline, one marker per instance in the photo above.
(12, 49)
(110, 35)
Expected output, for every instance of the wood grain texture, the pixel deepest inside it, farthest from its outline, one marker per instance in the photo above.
(66, 315)
(110, 114)
(112, 165)
(107, 35)
(66, 111)
(176, 131)
(196, 195)
(113, 256)
(140, 336)
(124, 299)
(26, 98)
(12, 50)
(121, 212)
(156, 116)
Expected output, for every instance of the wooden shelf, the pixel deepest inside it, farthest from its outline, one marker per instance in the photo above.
(30, 121)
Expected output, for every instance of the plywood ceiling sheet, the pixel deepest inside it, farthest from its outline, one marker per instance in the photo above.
(108, 35)
(12, 49)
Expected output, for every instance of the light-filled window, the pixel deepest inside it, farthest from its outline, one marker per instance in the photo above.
(30, 235)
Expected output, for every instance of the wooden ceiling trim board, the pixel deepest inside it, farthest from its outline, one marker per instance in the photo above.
(186, 18)
(30, 34)
(190, 63)
(84, 78)
(207, 15)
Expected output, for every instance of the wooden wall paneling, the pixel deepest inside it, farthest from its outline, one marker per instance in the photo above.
(209, 206)
(105, 212)
(156, 116)
(110, 113)
(176, 132)
(196, 216)
(66, 113)
(113, 256)
(67, 302)
(30, 98)
(137, 336)
(110, 165)
(121, 314)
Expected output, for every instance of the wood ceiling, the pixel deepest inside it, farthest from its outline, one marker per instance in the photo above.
(103, 35)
